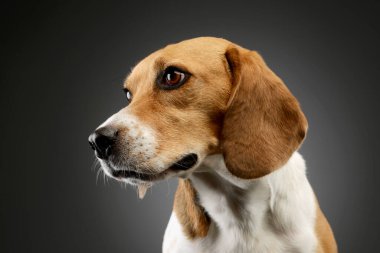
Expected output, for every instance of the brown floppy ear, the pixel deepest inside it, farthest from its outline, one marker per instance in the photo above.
(263, 124)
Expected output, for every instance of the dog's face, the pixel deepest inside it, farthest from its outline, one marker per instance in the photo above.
(176, 98)
(183, 103)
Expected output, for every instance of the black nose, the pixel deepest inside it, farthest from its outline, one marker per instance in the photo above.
(102, 140)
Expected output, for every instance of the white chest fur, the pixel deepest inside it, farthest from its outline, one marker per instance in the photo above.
(275, 213)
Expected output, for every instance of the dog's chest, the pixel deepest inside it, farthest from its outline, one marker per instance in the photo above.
(267, 216)
(239, 223)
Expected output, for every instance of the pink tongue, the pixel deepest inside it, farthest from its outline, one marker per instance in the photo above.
(141, 190)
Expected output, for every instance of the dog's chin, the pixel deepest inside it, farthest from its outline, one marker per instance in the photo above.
(180, 168)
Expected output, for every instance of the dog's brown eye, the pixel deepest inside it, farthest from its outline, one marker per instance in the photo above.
(128, 95)
(172, 78)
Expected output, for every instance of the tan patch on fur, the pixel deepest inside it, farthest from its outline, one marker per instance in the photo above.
(264, 123)
(195, 222)
(325, 236)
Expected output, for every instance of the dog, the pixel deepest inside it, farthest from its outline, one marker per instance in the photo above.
(213, 114)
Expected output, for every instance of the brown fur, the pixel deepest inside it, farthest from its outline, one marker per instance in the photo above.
(192, 114)
(325, 236)
(195, 222)
(264, 124)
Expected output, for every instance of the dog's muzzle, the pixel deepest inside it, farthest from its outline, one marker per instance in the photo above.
(103, 140)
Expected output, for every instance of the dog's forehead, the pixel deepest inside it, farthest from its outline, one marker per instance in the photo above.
(203, 47)
(194, 55)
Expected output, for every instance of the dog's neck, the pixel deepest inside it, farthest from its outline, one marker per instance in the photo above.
(226, 198)
(279, 202)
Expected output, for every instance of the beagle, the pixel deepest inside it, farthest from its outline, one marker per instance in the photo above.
(213, 114)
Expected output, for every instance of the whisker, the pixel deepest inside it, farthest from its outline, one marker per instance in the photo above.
(97, 175)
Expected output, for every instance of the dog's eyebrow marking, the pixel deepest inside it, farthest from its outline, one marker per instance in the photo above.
(161, 64)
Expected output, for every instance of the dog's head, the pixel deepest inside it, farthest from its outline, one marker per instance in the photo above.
(196, 98)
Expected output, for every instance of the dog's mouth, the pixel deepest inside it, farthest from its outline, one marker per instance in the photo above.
(133, 174)
(185, 163)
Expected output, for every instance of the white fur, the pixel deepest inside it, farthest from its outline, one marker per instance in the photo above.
(275, 213)
(140, 138)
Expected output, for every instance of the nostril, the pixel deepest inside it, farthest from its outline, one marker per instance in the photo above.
(92, 145)
(101, 141)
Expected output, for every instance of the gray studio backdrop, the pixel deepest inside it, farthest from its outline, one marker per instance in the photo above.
(63, 64)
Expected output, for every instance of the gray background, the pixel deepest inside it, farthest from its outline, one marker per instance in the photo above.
(62, 68)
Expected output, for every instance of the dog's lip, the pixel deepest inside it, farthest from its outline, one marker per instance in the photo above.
(134, 174)
(186, 162)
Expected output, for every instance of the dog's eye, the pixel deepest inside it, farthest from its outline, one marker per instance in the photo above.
(128, 95)
(172, 78)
